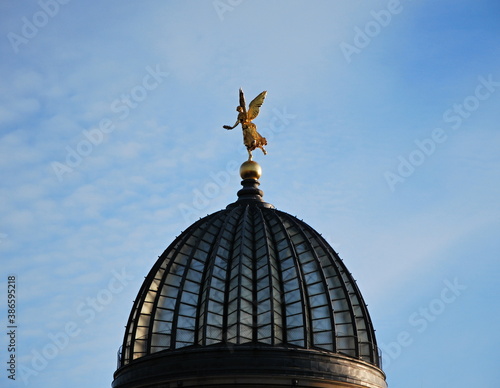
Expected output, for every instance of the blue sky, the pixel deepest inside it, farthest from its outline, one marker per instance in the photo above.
(382, 122)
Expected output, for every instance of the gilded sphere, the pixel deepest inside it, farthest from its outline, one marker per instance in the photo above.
(250, 170)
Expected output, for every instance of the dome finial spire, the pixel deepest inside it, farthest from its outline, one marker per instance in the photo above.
(250, 172)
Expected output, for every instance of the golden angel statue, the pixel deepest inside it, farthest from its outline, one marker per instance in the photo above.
(251, 138)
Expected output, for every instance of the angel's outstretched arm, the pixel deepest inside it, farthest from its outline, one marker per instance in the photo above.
(234, 126)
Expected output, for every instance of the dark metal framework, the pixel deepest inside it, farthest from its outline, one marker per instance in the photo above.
(249, 275)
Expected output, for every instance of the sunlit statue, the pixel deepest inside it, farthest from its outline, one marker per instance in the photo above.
(251, 138)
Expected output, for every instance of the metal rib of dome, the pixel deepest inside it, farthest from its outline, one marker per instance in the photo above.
(250, 274)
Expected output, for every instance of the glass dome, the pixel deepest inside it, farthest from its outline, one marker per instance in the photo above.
(251, 277)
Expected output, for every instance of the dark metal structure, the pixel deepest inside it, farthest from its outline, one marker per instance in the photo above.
(249, 296)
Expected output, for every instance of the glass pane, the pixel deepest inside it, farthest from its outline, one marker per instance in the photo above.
(233, 293)
(342, 317)
(191, 286)
(289, 273)
(358, 312)
(365, 349)
(219, 270)
(217, 283)
(263, 294)
(217, 295)
(319, 300)
(144, 320)
(231, 333)
(324, 337)
(310, 268)
(162, 327)
(232, 308)
(214, 332)
(187, 310)
(264, 331)
(264, 306)
(282, 243)
(138, 355)
(232, 318)
(184, 322)
(211, 341)
(262, 251)
(177, 269)
(246, 318)
(294, 308)
(265, 340)
(246, 305)
(215, 319)
(247, 272)
(345, 343)
(320, 312)
(317, 289)
(139, 346)
(264, 318)
(201, 256)
(337, 292)
(362, 336)
(344, 329)
(197, 267)
(194, 276)
(288, 263)
(292, 296)
(322, 324)
(245, 332)
(215, 307)
(182, 344)
(295, 334)
(292, 284)
(340, 304)
(164, 315)
(204, 246)
(294, 320)
(185, 335)
(360, 323)
(189, 297)
(160, 341)
(326, 346)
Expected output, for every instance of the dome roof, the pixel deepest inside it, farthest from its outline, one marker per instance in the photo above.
(251, 277)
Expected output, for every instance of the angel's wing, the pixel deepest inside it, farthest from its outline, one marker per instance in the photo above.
(253, 108)
(242, 101)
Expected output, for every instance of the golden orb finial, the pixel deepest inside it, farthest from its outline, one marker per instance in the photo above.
(250, 170)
